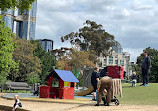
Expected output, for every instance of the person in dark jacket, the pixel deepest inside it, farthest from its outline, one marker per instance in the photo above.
(103, 72)
(94, 81)
(145, 68)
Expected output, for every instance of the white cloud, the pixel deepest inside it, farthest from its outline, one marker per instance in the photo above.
(141, 5)
(133, 23)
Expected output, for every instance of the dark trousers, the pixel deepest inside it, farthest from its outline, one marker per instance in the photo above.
(106, 83)
(145, 76)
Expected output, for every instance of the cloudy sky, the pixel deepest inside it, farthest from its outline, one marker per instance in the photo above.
(134, 23)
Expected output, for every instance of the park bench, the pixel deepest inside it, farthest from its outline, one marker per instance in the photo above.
(17, 86)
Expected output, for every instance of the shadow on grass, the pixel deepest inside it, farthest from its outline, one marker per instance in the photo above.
(126, 86)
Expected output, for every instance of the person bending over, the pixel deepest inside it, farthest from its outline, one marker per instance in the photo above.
(105, 83)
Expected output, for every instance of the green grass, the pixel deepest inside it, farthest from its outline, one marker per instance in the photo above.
(16, 91)
(140, 95)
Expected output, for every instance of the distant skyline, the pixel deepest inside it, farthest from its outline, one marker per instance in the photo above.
(132, 22)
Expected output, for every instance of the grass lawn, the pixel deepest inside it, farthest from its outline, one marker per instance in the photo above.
(16, 91)
(140, 95)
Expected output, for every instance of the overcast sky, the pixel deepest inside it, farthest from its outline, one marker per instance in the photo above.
(134, 23)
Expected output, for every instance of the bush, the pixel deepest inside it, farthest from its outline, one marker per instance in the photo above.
(33, 78)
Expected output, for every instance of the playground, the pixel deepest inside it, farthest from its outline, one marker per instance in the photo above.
(134, 99)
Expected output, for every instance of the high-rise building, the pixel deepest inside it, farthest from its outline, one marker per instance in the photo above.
(47, 44)
(25, 21)
(8, 18)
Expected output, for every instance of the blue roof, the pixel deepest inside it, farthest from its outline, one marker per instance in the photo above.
(66, 76)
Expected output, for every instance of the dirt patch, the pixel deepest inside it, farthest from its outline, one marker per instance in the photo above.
(91, 107)
(44, 106)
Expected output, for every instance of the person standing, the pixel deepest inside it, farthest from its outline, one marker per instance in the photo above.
(94, 81)
(134, 79)
(145, 69)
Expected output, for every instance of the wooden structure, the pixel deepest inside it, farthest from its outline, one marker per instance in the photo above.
(60, 85)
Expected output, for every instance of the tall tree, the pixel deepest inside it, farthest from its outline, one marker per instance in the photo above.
(76, 60)
(11, 4)
(91, 37)
(48, 61)
(7, 47)
(28, 63)
(79, 59)
(153, 53)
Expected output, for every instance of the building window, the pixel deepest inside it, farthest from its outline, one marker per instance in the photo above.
(116, 61)
(120, 62)
(104, 60)
(110, 60)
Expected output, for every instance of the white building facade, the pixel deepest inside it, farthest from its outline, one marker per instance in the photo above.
(119, 58)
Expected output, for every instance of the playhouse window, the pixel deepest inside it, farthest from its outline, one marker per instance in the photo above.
(55, 82)
(72, 84)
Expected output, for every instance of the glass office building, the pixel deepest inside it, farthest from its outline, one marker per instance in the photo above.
(8, 18)
(117, 47)
(47, 44)
(25, 21)
(26, 26)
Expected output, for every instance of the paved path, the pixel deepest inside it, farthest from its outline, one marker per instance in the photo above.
(45, 106)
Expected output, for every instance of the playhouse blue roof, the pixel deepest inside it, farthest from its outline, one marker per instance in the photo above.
(66, 76)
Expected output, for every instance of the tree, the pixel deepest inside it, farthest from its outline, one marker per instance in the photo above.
(153, 53)
(76, 60)
(28, 63)
(91, 37)
(48, 61)
(79, 59)
(7, 47)
(33, 78)
(12, 4)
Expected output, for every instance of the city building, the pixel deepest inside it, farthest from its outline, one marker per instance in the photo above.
(117, 57)
(47, 44)
(8, 18)
(25, 21)
(62, 52)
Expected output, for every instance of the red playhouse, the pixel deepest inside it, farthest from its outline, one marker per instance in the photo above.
(115, 71)
(60, 85)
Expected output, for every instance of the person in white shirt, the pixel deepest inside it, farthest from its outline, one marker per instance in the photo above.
(17, 103)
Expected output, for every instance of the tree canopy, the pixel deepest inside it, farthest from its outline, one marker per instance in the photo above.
(28, 63)
(76, 59)
(11, 4)
(91, 37)
(48, 61)
(7, 47)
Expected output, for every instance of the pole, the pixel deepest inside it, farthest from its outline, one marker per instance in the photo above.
(28, 26)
